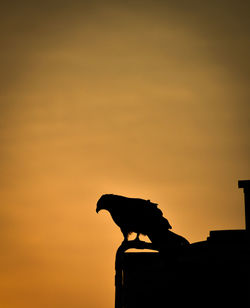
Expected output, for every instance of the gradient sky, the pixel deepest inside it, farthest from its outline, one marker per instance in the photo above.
(145, 99)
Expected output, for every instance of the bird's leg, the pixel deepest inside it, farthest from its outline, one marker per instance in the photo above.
(137, 237)
(125, 234)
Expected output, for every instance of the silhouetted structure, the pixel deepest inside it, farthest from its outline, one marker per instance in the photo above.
(211, 273)
(246, 189)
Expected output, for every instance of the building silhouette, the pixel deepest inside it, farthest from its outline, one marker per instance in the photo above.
(210, 273)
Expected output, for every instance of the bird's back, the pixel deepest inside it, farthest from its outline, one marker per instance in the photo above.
(135, 214)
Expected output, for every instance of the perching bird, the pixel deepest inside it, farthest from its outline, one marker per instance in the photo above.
(142, 217)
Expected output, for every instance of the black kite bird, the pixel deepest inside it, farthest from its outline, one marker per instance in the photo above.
(140, 216)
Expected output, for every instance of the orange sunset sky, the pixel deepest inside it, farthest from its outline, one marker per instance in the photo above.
(145, 99)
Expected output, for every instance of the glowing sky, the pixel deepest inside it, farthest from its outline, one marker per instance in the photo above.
(146, 99)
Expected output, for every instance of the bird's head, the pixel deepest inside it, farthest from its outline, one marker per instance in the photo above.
(102, 203)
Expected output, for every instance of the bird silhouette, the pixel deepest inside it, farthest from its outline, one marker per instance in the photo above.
(142, 217)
